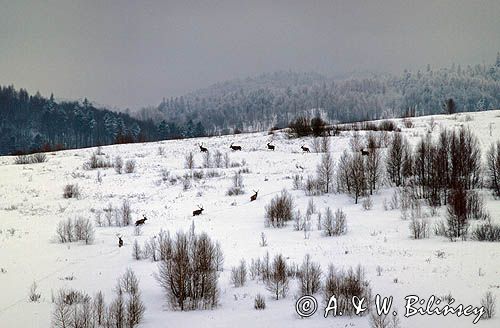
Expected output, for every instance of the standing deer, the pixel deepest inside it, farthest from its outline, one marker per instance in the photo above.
(365, 152)
(269, 146)
(198, 212)
(254, 196)
(141, 221)
(235, 147)
(203, 149)
(304, 148)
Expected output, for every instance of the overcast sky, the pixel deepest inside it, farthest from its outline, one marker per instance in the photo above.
(132, 53)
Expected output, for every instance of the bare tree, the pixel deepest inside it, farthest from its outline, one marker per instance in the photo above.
(277, 283)
(189, 161)
(493, 168)
(325, 171)
(309, 276)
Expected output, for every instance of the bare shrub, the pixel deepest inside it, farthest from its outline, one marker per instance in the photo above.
(189, 276)
(22, 160)
(238, 187)
(130, 166)
(38, 158)
(239, 274)
(263, 240)
(367, 203)
(334, 225)
(279, 210)
(77, 309)
(218, 160)
(96, 162)
(70, 230)
(493, 168)
(118, 164)
(309, 276)
(277, 282)
(457, 222)
(388, 125)
(34, 295)
(325, 172)
(345, 285)
(71, 191)
(486, 232)
(84, 230)
(259, 302)
(207, 160)
(189, 161)
(384, 320)
(408, 123)
(198, 175)
(136, 251)
(126, 213)
(489, 303)
(419, 228)
(312, 186)
(297, 182)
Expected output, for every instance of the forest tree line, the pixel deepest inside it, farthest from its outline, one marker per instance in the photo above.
(32, 123)
(275, 99)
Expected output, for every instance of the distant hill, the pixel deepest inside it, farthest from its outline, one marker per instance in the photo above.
(274, 99)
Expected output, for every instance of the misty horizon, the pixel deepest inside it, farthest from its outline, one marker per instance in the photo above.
(129, 55)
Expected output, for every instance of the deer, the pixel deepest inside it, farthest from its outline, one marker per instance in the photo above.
(141, 221)
(203, 149)
(198, 211)
(235, 147)
(364, 152)
(269, 146)
(305, 149)
(254, 196)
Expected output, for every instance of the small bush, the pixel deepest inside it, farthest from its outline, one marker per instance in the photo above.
(408, 123)
(486, 232)
(334, 225)
(309, 276)
(70, 230)
(345, 285)
(280, 210)
(367, 203)
(23, 159)
(118, 164)
(239, 274)
(71, 191)
(30, 159)
(277, 281)
(34, 295)
(489, 304)
(387, 125)
(130, 166)
(259, 302)
(419, 228)
(189, 161)
(96, 162)
(38, 158)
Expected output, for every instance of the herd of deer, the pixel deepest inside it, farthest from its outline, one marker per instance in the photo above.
(273, 147)
(253, 197)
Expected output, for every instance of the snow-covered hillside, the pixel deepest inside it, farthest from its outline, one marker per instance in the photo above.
(32, 204)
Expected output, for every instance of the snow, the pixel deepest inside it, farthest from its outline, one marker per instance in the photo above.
(31, 205)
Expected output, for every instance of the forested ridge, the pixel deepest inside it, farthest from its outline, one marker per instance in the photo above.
(274, 99)
(30, 123)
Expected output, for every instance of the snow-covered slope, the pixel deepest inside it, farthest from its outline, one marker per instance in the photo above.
(31, 205)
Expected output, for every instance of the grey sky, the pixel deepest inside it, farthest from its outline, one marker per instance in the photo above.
(132, 53)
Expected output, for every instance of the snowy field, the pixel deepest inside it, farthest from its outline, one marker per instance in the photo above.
(32, 203)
